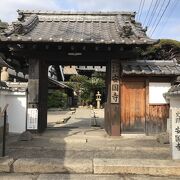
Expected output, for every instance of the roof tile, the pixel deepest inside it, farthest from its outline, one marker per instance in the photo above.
(145, 67)
(102, 27)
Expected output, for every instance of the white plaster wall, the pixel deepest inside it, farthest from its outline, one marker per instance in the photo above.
(156, 91)
(2, 101)
(16, 111)
(2, 104)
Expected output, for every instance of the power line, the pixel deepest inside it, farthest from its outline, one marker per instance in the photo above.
(160, 17)
(153, 12)
(139, 9)
(170, 13)
(148, 11)
(160, 9)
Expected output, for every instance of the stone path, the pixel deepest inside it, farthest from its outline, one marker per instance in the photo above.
(77, 139)
(81, 177)
(77, 147)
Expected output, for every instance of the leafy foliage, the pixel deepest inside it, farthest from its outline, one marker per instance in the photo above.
(57, 99)
(165, 49)
(85, 87)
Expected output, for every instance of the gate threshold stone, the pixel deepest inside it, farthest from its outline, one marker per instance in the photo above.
(137, 166)
(52, 165)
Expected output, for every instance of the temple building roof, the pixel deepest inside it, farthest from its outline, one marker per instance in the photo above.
(77, 27)
(151, 67)
(3, 63)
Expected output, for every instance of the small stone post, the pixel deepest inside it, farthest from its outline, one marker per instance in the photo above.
(98, 99)
(174, 125)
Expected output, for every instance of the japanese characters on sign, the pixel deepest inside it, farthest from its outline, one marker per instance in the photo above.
(177, 130)
(114, 82)
(32, 119)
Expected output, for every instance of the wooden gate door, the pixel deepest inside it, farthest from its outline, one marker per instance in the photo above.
(133, 107)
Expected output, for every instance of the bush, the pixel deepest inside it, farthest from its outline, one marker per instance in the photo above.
(57, 99)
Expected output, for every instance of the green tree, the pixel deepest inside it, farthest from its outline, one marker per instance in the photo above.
(165, 49)
(85, 87)
(57, 99)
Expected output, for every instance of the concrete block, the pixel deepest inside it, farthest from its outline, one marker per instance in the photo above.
(5, 164)
(50, 165)
(137, 166)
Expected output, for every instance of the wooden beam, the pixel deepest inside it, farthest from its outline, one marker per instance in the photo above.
(59, 55)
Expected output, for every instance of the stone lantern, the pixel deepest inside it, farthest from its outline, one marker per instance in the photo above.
(98, 99)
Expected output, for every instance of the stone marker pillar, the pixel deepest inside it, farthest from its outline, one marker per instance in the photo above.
(174, 122)
(98, 99)
(175, 126)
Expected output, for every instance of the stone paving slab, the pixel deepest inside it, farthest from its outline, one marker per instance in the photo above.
(137, 166)
(5, 164)
(14, 176)
(68, 140)
(100, 177)
(77, 177)
(52, 165)
(20, 176)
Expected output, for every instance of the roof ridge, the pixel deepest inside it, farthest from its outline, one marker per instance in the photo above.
(76, 12)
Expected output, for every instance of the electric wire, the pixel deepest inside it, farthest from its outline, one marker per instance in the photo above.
(158, 14)
(167, 5)
(153, 13)
(140, 13)
(139, 9)
(170, 13)
(148, 12)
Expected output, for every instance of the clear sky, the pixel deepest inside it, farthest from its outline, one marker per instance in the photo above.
(168, 28)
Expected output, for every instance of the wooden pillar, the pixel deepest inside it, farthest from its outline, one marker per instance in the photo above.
(37, 90)
(108, 99)
(147, 108)
(112, 110)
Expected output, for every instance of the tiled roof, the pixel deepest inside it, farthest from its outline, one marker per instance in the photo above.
(150, 67)
(3, 63)
(77, 27)
(17, 86)
(60, 84)
(3, 85)
(3, 26)
(174, 90)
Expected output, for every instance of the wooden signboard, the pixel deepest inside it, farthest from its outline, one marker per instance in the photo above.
(114, 82)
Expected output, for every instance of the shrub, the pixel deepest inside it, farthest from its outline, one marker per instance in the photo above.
(57, 99)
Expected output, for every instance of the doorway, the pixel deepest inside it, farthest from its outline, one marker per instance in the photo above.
(133, 106)
(72, 102)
